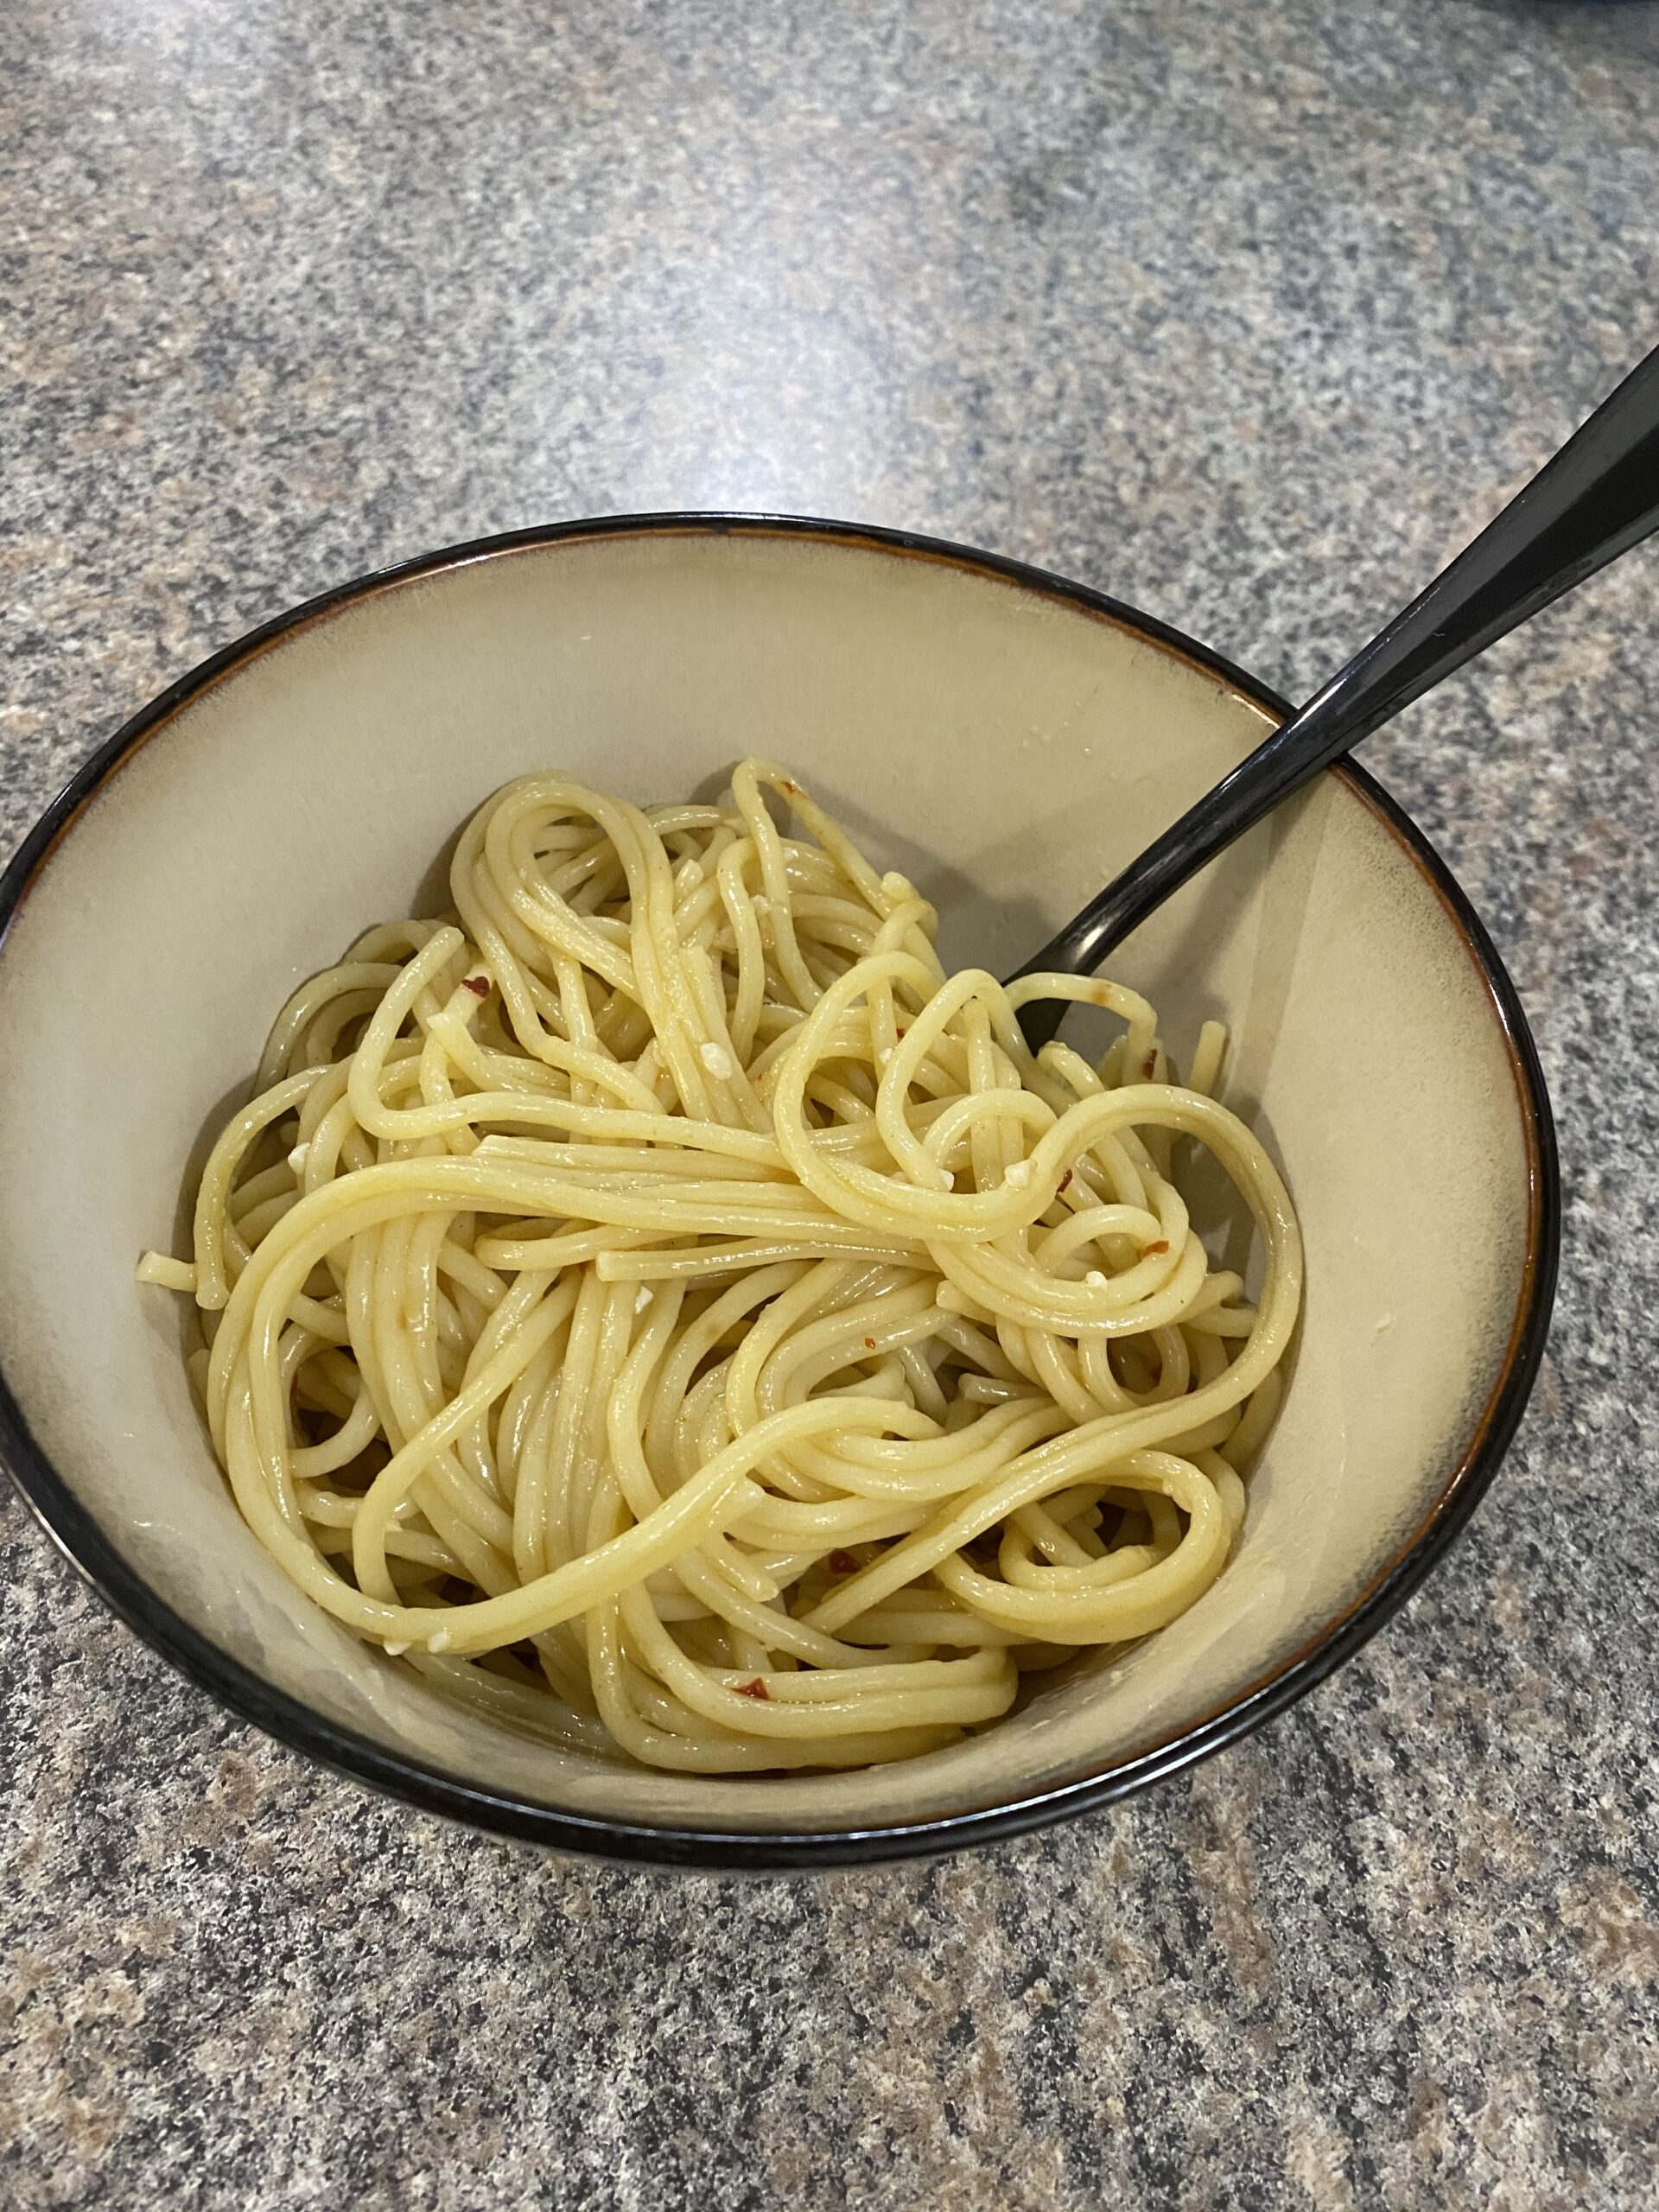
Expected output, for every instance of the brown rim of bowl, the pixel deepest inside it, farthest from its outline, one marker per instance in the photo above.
(88, 1549)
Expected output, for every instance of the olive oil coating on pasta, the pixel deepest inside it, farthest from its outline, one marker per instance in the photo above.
(660, 1304)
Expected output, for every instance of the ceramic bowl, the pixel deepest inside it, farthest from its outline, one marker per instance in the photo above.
(1006, 739)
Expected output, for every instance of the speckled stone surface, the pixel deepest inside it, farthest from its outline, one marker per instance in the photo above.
(1246, 313)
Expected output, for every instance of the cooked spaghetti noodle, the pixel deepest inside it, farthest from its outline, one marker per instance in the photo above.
(661, 1304)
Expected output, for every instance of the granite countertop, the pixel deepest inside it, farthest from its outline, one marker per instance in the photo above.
(1248, 315)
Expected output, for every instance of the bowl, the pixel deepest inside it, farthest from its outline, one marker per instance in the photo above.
(1004, 737)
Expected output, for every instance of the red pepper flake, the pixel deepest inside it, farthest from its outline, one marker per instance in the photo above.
(791, 786)
(1147, 1067)
(1063, 1180)
(479, 985)
(843, 1563)
(869, 1344)
(1148, 1251)
(756, 1688)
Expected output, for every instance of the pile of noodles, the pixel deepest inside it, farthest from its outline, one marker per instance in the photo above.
(660, 1304)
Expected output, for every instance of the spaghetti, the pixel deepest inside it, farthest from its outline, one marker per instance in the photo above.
(662, 1305)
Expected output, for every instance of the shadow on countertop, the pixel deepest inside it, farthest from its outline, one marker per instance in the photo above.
(1614, 26)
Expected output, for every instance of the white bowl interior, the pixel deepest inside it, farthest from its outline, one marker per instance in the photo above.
(1005, 748)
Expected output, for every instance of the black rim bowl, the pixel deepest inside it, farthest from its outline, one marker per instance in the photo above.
(88, 1549)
